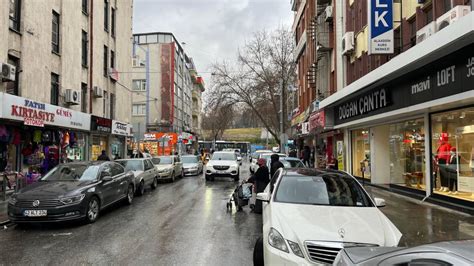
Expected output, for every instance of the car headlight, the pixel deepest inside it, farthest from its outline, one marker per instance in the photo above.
(276, 240)
(166, 170)
(12, 199)
(72, 200)
(295, 248)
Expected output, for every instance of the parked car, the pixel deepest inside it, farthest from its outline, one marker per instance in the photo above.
(223, 164)
(144, 172)
(168, 167)
(71, 191)
(253, 159)
(441, 253)
(309, 215)
(266, 156)
(191, 165)
(289, 163)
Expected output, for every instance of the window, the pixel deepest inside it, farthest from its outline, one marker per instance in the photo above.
(106, 60)
(361, 153)
(105, 110)
(14, 14)
(12, 86)
(112, 106)
(139, 85)
(85, 6)
(412, 33)
(55, 33)
(84, 48)
(54, 89)
(113, 22)
(84, 97)
(117, 169)
(407, 154)
(452, 153)
(429, 15)
(106, 15)
(112, 59)
(139, 109)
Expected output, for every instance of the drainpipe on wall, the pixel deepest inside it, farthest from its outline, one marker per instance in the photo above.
(91, 52)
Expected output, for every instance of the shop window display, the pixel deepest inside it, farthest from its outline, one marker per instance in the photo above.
(361, 153)
(453, 153)
(99, 144)
(407, 154)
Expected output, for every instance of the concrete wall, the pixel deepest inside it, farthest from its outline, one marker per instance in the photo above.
(33, 46)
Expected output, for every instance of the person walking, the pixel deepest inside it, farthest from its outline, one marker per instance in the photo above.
(306, 156)
(275, 164)
(103, 157)
(260, 180)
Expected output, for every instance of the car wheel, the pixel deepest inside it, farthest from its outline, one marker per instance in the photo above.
(93, 208)
(207, 178)
(237, 177)
(173, 177)
(141, 188)
(258, 252)
(154, 185)
(130, 193)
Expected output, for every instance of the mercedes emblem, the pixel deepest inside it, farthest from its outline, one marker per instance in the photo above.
(36, 203)
(341, 232)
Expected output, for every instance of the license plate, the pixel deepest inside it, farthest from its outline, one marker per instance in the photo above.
(35, 213)
(221, 172)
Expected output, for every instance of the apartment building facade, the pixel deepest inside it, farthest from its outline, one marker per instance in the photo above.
(60, 64)
(169, 94)
(404, 121)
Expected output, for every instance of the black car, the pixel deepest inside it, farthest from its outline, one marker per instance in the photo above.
(72, 191)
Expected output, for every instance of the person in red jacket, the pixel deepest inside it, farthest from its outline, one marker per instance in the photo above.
(444, 155)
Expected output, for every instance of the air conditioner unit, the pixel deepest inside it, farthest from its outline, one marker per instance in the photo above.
(451, 16)
(72, 97)
(425, 32)
(98, 92)
(8, 72)
(328, 14)
(348, 43)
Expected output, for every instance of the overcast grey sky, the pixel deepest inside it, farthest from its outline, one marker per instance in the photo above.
(212, 29)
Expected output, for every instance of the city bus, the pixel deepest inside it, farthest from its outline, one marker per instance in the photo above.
(219, 145)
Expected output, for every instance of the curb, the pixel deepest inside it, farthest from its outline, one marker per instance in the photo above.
(5, 223)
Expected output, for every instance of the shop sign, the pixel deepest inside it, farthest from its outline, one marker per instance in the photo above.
(340, 155)
(39, 114)
(101, 124)
(119, 128)
(450, 75)
(305, 128)
(317, 120)
(172, 138)
(380, 20)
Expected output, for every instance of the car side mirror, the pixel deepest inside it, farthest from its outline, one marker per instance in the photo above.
(263, 196)
(379, 202)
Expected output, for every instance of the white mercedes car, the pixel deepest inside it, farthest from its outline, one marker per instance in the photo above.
(223, 164)
(309, 215)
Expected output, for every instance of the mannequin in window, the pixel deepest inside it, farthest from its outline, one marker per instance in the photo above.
(443, 153)
(454, 160)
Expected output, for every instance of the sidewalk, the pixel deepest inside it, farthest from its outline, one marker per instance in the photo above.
(3, 212)
(422, 222)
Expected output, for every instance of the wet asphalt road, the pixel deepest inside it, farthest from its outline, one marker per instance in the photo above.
(181, 223)
(186, 223)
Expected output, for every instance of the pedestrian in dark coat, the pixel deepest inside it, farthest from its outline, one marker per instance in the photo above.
(260, 180)
(103, 157)
(306, 156)
(275, 164)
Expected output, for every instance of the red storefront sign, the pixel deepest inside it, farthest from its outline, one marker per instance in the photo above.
(317, 120)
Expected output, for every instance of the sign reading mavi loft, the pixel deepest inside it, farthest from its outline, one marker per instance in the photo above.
(447, 76)
(380, 18)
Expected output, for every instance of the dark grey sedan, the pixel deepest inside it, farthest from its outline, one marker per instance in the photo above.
(72, 191)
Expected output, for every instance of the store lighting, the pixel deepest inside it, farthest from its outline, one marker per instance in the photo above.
(463, 114)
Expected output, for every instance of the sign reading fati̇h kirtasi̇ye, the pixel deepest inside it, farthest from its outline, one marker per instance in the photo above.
(380, 18)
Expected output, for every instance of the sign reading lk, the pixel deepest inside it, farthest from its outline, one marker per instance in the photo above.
(380, 18)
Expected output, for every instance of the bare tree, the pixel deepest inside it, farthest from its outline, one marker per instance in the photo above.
(217, 117)
(264, 70)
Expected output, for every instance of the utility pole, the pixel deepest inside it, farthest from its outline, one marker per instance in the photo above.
(282, 118)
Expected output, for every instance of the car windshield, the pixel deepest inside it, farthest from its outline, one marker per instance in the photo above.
(292, 164)
(72, 172)
(224, 156)
(132, 165)
(189, 159)
(326, 189)
(165, 160)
